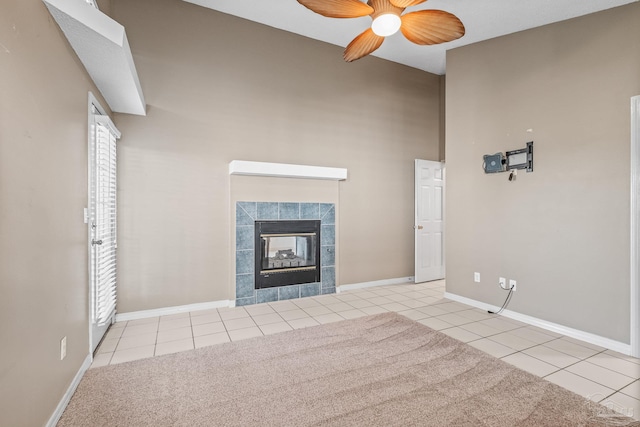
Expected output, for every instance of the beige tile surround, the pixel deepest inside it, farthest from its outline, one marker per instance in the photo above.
(602, 375)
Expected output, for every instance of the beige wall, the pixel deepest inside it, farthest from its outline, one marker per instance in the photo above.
(43, 190)
(562, 231)
(220, 88)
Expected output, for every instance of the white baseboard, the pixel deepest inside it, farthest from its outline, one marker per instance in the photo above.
(401, 280)
(55, 417)
(143, 314)
(550, 326)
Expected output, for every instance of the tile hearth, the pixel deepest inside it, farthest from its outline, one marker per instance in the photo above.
(246, 215)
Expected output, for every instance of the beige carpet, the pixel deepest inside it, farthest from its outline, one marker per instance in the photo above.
(382, 370)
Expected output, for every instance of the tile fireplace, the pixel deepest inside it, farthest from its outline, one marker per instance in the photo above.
(284, 250)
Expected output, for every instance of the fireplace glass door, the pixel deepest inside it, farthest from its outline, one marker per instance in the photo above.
(290, 251)
(287, 253)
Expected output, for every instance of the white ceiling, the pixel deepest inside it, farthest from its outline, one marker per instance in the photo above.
(482, 19)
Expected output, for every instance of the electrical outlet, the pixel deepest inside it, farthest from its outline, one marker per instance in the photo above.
(63, 348)
(512, 284)
(502, 282)
(476, 277)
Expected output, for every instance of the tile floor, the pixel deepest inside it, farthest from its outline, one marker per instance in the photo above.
(602, 375)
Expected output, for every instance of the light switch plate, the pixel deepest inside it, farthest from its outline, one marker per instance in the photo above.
(63, 348)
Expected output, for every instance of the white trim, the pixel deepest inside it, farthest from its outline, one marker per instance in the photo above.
(94, 109)
(550, 326)
(635, 227)
(55, 417)
(399, 281)
(468, 301)
(106, 121)
(165, 311)
(283, 170)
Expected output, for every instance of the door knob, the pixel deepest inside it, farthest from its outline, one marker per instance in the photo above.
(96, 242)
(419, 227)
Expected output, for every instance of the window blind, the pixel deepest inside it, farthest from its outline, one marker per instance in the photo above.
(104, 225)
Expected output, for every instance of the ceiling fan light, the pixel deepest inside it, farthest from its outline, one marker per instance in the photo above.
(386, 24)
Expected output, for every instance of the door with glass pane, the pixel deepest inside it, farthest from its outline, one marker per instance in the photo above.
(102, 225)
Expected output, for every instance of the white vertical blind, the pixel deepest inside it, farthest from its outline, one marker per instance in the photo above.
(104, 211)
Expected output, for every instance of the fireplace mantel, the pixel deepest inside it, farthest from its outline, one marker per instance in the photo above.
(284, 170)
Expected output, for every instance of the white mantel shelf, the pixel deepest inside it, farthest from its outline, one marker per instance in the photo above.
(284, 170)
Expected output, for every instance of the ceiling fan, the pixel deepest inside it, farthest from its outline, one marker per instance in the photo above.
(423, 27)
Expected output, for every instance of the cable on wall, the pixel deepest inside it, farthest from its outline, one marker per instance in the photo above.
(506, 301)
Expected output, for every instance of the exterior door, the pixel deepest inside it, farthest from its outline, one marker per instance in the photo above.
(102, 224)
(429, 220)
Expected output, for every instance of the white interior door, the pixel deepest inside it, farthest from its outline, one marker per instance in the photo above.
(102, 224)
(429, 220)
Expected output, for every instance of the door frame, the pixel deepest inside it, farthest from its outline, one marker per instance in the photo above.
(92, 102)
(635, 227)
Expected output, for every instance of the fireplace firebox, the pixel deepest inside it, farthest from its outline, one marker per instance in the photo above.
(287, 253)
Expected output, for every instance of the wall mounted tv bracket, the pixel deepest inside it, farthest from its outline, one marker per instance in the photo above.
(521, 159)
(511, 160)
(494, 163)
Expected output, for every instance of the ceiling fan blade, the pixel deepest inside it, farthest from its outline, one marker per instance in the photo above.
(338, 8)
(406, 3)
(362, 45)
(384, 6)
(431, 27)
